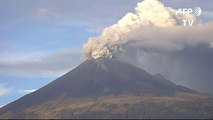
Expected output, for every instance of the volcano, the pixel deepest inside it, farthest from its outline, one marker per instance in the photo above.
(110, 88)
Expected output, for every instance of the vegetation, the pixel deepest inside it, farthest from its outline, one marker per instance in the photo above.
(182, 105)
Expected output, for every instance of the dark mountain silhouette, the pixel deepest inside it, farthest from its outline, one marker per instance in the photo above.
(95, 81)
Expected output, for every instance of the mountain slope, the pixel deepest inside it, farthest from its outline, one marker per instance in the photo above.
(93, 79)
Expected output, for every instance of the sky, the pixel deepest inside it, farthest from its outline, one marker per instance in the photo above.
(40, 40)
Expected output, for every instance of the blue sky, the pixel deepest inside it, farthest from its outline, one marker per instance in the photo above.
(42, 39)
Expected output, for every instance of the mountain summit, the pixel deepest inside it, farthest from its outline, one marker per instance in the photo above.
(91, 81)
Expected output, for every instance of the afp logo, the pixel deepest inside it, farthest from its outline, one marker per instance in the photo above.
(197, 11)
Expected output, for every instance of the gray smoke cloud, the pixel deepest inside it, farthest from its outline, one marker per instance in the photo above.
(147, 13)
(154, 39)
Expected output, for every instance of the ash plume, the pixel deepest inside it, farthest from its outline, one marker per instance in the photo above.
(154, 39)
(147, 13)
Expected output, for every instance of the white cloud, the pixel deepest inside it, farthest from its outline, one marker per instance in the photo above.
(4, 90)
(45, 13)
(27, 91)
(40, 63)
